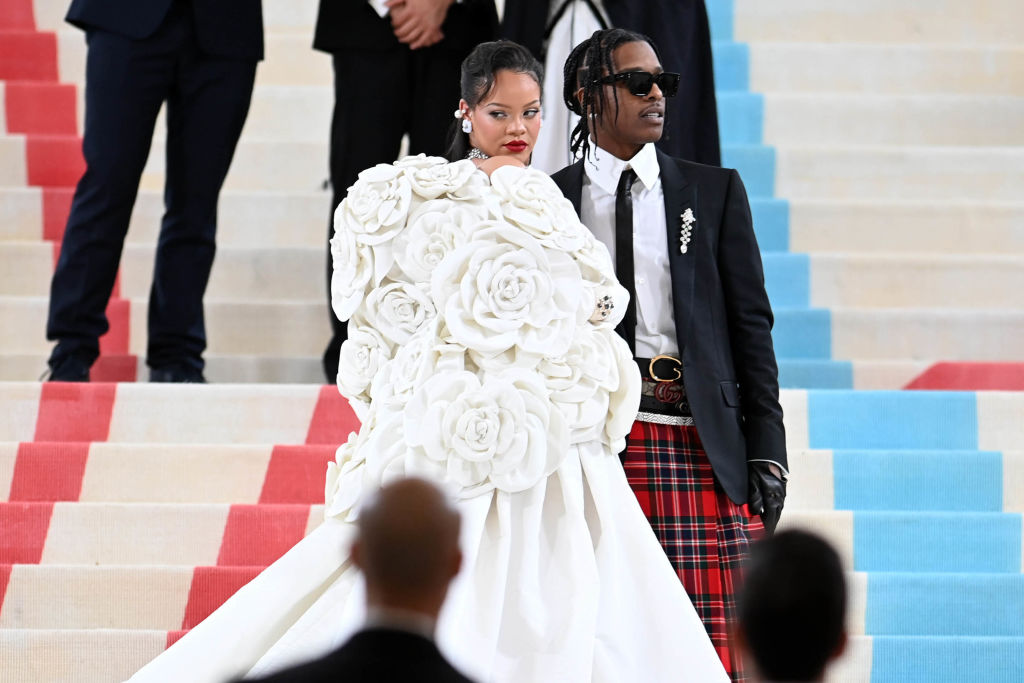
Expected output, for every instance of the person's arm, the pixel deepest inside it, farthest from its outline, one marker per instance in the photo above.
(750, 321)
(417, 23)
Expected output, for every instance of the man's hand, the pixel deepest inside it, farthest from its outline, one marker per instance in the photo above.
(766, 493)
(417, 23)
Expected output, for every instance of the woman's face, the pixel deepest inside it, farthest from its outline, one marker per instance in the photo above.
(507, 120)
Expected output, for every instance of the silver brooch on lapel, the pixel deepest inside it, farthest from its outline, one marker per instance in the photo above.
(686, 221)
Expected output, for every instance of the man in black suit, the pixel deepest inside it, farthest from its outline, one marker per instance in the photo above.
(709, 436)
(395, 73)
(791, 609)
(199, 57)
(408, 551)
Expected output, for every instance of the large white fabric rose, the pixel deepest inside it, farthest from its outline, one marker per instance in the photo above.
(430, 182)
(425, 355)
(397, 310)
(346, 479)
(532, 201)
(415, 162)
(353, 268)
(363, 354)
(503, 289)
(435, 229)
(376, 206)
(500, 432)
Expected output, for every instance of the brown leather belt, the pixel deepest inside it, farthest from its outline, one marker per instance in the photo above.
(662, 390)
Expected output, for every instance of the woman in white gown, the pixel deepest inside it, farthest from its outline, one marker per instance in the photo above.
(481, 354)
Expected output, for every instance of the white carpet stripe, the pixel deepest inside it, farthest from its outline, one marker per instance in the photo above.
(794, 410)
(8, 455)
(835, 526)
(855, 664)
(856, 603)
(82, 656)
(122, 534)
(1001, 416)
(20, 408)
(160, 473)
(1013, 481)
(811, 485)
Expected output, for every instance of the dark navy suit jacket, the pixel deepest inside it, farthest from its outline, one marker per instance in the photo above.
(723, 318)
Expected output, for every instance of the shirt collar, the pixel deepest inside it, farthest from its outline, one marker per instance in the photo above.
(604, 168)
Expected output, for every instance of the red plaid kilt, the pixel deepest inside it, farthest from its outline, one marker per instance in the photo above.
(704, 534)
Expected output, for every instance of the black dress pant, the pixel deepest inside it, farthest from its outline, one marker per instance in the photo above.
(207, 103)
(379, 96)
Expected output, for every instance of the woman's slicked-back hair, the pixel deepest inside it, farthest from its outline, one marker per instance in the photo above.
(589, 61)
(479, 71)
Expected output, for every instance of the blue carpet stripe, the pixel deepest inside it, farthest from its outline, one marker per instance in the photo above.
(795, 373)
(937, 542)
(918, 480)
(945, 605)
(756, 164)
(720, 17)
(941, 420)
(802, 333)
(740, 117)
(771, 223)
(787, 278)
(731, 62)
(947, 660)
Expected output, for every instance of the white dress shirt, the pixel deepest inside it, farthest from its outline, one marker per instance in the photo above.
(655, 322)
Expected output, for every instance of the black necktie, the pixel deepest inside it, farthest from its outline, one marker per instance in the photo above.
(624, 253)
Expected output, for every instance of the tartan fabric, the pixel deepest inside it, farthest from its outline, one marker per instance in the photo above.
(704, 534)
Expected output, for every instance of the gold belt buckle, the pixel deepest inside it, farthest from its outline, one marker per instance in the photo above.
(678, 369)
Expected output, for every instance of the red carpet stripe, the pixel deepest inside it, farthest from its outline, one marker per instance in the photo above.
(116, 340)
(333, 418)
(211, 586)
(49, 472)
(24, 528)
(41, 108)
(56, 207)
(17, 14)
(278, 528)
(296, 474)
(54, 160)
(115, 368)
(960, 376)
(28, 55)
(75, 412)
(174, 636)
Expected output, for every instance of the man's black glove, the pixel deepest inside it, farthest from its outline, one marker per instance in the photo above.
(766, 494)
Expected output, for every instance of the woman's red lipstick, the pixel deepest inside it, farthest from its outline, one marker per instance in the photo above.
(515, 146)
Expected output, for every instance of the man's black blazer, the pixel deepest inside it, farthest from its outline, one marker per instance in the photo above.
(375, 654)
(224, 28)
(723, 318)
(354, 24)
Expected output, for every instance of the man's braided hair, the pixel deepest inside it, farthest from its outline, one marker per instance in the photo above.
(587, 62)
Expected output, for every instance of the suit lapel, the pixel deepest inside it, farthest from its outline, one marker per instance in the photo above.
(679, 196)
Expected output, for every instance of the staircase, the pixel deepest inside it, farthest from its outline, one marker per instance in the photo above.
(882, 144)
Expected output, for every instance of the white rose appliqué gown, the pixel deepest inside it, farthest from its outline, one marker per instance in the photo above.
(477, 357)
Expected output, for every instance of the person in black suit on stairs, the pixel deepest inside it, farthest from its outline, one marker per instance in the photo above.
(408, 551)
(709, 436)
(199, 57)
(396, 72)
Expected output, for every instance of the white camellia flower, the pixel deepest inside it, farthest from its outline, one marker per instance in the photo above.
(532, 201)
(423, 356)
(414, 162)
(580, 383)
(430, 182)
(362, 356)
(346, 479)
(435, 229)
(376, 206)
(397, 310)
(500, 432)
(353, 268)
(503, 289)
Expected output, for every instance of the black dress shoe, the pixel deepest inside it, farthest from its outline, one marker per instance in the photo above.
(181, 374)
(69, 369)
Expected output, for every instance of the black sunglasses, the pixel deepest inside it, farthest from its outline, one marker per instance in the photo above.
(640, 82)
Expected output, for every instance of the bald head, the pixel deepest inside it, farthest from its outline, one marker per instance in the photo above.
(408, 546)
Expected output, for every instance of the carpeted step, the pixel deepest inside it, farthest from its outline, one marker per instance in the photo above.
(971, 377)
(797, 373)
(904, 119)
(78, 656)
(185, 534)
(162, 473)
(907, 480)
(884, 173)
(174, 413)
(891, 21)
(916, 541)
(255, 274)
(896, 68)
(245, 219)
